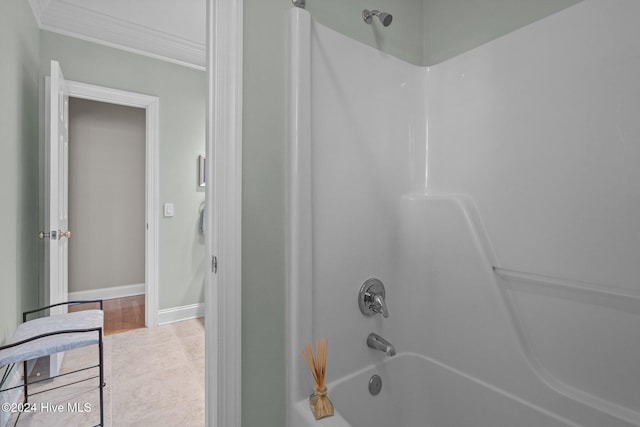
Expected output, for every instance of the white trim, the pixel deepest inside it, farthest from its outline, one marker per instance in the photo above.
(178, 314)
(298, 250)
(109, 95)
(223, 290)
(152, 205)
(108, 293)
(124, 48)
(84, 23)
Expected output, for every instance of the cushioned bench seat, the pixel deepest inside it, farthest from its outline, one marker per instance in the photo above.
(52, 344)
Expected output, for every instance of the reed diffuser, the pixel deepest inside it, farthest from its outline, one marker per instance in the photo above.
(321, 406)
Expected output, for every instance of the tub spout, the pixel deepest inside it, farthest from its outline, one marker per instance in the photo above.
(376, 342)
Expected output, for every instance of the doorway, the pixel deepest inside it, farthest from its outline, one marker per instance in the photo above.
(148, 106)
(106, 210)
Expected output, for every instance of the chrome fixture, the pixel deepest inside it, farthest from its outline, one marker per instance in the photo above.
(371, 298)
(376, 342)
(54, 235)
(375, 385)
(384, 17)
(299, 3)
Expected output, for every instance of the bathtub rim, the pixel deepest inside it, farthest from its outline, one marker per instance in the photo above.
(409, 354)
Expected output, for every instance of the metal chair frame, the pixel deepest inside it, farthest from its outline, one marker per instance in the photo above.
(26, 382)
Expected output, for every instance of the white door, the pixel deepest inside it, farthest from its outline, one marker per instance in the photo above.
(57, 203)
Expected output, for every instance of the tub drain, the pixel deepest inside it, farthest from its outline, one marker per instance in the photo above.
(375, 385)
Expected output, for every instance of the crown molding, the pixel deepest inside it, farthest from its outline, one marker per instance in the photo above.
(77, 21)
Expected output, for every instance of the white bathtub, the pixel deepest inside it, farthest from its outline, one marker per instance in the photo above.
(419, 392)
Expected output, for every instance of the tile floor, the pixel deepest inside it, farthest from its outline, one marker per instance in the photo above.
(154, 377)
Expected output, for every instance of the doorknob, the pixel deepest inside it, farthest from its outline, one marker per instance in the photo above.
(66, 234)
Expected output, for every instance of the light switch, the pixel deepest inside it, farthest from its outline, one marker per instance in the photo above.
(168, 209)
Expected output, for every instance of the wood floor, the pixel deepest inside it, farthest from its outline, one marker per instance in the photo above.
(120, 314)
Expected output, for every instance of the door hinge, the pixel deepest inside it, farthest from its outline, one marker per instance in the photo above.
(214, 264)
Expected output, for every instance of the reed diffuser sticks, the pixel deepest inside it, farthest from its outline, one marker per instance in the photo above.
(321, 406)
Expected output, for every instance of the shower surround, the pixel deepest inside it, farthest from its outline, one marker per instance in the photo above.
(497, 197)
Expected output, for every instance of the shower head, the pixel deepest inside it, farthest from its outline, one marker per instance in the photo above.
(385, 18)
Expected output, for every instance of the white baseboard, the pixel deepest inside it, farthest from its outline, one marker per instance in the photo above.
(108, 293)
(176, 314)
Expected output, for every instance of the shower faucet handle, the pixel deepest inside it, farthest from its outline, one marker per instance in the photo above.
(379, 306)
(371, 298)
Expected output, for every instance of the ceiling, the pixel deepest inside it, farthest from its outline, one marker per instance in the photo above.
(171, 30)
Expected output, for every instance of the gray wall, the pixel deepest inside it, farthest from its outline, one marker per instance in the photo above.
(182, 102)
(403, 38)
(263, 163)
(106, 195)
(427, 32)
(454, 27)
(19, 46)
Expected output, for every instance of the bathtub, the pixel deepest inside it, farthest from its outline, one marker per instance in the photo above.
(420, 392)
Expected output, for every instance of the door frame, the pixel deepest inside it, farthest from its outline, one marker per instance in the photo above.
(152, 177)
(223, 240)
